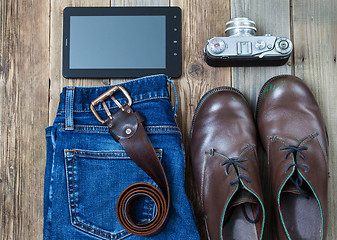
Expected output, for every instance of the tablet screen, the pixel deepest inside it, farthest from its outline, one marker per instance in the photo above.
(117, 42)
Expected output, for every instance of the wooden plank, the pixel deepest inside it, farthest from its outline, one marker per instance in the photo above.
(24, 74)
(315, 34)
(141, 3)
(201, 20)
(269, 18)
(274, 20)
(57, 81)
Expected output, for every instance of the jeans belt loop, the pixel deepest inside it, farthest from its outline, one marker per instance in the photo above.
(175, 108)
(69, 117)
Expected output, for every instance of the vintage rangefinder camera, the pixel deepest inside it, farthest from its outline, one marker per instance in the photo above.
(241, 47)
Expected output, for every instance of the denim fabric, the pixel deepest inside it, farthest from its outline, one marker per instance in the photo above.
(86, 169)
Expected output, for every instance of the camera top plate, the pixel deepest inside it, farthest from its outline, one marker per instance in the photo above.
(241, 47)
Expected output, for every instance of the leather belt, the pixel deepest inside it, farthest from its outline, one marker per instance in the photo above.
(126, 127)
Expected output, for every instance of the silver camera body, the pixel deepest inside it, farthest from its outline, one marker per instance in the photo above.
(241, 47)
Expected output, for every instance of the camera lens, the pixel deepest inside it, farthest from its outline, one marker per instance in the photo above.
(240, 27)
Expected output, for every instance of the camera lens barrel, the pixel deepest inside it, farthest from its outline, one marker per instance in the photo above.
(240, 27)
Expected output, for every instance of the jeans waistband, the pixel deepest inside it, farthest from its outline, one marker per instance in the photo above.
(78, 99)
(141, 89)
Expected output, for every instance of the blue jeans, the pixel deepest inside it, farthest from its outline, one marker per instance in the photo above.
(87, 170)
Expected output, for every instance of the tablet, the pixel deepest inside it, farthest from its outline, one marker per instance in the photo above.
(114, 42)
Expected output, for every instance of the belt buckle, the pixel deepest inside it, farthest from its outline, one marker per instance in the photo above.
(106, 95)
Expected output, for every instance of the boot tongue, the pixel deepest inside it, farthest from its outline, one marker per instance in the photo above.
(242, 196)
(290, 187)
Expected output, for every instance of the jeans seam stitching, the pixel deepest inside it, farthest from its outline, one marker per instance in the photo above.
(72, 108)
(149, 205)
(152, 182)
(81, 130)
(75, 217)
(121, 151)
(102, 109)
(95, 126)
(66, 125)
(75, 209)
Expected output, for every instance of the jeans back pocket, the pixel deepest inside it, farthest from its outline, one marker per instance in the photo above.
(95, 179)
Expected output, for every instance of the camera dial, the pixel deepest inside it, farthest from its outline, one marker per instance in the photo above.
(216, 45)
(260, 44)
(283, 45)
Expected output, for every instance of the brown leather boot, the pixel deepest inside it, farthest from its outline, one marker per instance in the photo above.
(293, 133)
(225, 166)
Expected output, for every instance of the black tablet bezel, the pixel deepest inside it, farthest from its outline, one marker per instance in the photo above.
(173, 41)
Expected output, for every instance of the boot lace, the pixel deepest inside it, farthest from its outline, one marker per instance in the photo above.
(236, 163)
(297, 180)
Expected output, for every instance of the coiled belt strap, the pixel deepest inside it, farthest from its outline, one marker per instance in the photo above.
(126, 127)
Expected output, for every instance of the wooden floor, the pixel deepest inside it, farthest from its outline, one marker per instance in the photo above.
(31, 81)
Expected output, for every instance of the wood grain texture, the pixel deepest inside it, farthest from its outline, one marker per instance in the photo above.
(201, 20)
(31, 81)
(315, 34)
(24, 74)
(249, 80)
(271, 19)
(57, 81)
(134, 3)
